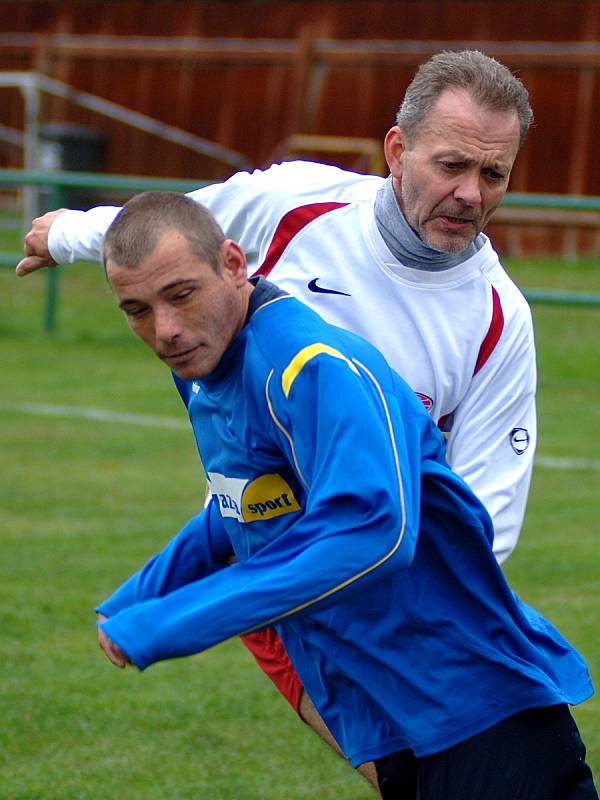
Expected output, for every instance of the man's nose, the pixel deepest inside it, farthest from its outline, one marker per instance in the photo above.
(468, 190)
(167, 325)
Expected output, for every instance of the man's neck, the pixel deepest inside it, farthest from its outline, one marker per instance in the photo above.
(405, 245)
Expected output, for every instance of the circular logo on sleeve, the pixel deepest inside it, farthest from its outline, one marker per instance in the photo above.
(519, 440)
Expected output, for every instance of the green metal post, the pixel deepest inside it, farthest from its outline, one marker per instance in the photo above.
(51, 300)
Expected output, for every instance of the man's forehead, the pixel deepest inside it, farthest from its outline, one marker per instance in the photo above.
(459, 125)
(463, 101)
(151, 275)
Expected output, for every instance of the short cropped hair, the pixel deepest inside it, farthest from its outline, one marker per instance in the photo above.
(489, 82)
(137, 228)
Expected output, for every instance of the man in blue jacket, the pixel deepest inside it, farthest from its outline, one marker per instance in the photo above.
(352, 536)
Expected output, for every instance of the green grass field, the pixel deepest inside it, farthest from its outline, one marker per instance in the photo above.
(84, 501)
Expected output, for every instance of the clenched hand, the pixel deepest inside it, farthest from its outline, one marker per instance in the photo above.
(35, 247)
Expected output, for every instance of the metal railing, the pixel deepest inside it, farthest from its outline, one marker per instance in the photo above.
(58, 181)
(34, 85)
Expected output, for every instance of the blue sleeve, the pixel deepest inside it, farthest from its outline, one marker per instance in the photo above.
(348, 444)
(200, 548)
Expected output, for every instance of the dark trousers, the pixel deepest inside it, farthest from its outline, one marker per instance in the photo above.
(534, 755)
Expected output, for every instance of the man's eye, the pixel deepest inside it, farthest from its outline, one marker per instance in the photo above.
(135, 312)
(183, 295)
(451, 165)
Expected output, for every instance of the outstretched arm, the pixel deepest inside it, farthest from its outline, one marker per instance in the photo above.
(248, 206)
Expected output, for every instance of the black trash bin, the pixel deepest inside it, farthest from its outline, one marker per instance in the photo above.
(67, 146)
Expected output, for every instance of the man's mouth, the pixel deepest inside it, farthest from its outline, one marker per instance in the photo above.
(459, 222)
(181, 355)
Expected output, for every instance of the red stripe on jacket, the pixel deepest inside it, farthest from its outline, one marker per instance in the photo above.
(490, 341)
(494, 332)
(289, 226)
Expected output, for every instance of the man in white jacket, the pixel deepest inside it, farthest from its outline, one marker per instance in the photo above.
(404, 263)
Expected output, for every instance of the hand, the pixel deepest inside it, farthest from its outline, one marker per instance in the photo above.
(111, 650)
(35, 247)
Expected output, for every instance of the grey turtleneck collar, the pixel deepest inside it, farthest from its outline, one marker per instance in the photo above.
(405, 245)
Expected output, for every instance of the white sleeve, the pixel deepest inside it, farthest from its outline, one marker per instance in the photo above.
(494, 431)
(78, 235)
(248, 207)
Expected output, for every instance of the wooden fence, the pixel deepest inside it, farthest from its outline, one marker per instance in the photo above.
(252, 73)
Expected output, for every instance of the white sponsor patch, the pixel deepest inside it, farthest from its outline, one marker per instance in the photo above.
(228, 494)
(263, 498)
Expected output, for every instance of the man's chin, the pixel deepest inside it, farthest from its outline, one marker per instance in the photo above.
(453, 247)
(188, 366)
(445, 239)
(189, 373)
(448, 244)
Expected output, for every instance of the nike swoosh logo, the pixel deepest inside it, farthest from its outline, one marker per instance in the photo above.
(322, 290)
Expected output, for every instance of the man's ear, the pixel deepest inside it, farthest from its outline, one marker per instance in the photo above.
(234, 262)
(394, 147)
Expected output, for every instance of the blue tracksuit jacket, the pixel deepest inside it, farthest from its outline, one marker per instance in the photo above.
(353, 537)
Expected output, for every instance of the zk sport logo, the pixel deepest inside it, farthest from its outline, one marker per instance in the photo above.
(263, 498)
